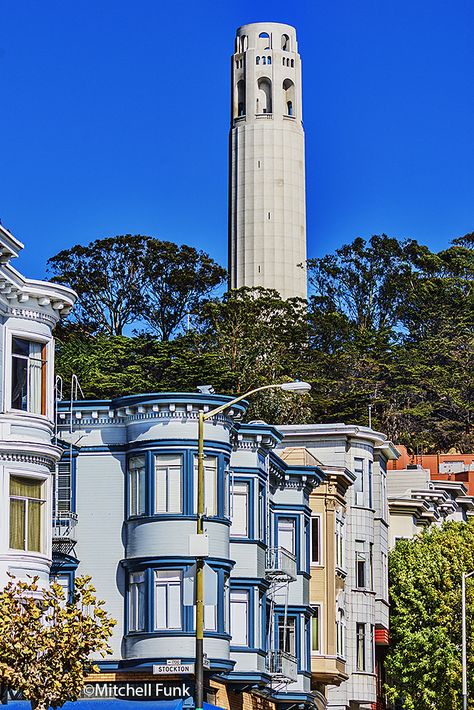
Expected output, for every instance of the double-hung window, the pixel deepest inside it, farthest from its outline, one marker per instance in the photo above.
(136, 606)
(168, 483)
(26, 503)
(360, 647)
(316, 630)
(240, 517)
(315, 540)
(359, 483)
(168, 602)
(239, 617)
(28, 383)
(287, 534)
(137, 485)
(341, 633)
(287, 634)
(360, 565)
(210, 484)
(340, 541)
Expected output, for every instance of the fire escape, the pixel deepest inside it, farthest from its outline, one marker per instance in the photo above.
(281, 664)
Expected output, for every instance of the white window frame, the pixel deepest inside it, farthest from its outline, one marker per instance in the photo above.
(43, 510)
(241, 492)
(361, 651)
(47, 344)
(289, 633)
(359, 483)
(295, 531)
(240, 598)
(316, 519)
(341, 633)
(172, 472)
(361, 557)
(317, 613)
(137, 602)
(170, 585)
(211, 473)
(135, 476)
(340, 542)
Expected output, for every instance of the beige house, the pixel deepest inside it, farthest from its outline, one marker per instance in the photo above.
(328, 568)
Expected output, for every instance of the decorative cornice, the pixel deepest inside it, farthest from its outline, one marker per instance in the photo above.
(46, 461)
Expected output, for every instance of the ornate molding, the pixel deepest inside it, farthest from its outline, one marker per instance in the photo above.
(30, 314)
(46, 461)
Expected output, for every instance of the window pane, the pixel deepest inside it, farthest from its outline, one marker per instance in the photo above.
(20, 347)
(26, 487)
(34, 526)
(286, 534)
(137, 485)
(239, 618)
(17, 524)
(315, 555)
(286, 635)
(239, 527)
(210, 621)
(174, 490)
(174, 605)
(19, 383)
(160, 606)
(315, 630)
(35, 378)
(160, 490)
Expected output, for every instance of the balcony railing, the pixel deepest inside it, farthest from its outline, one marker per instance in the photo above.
(281, 564)
(64, 526)
(282, 666)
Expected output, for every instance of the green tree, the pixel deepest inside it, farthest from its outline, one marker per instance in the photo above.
(127, 280)
(424, 660)
(107, 275)
(46, 641)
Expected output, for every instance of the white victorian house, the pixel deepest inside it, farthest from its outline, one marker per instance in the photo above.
(29, 310)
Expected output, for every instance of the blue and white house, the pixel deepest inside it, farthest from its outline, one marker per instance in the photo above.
(130, 467)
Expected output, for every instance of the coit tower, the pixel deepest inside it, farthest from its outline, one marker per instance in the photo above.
(267, 211)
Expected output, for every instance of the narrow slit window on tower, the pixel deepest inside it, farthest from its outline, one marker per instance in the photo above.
(241, 98)
(289, 108)
(269, 215)
(292, 62)
(264, 60)
(258, 164)
(269, 60)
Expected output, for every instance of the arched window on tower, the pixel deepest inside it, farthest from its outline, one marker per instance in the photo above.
(292, 62)
(289, 89)
(243, 43)
(241, 98)
(269, 60)
(264, 41)
(257, 60)
(264, 60)
(264, 95)
(285, 43)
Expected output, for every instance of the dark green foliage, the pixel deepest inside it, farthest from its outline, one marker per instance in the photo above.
(389, 324)
(424, 660)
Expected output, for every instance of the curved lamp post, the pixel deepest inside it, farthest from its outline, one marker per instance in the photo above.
(298, 387)
(465, 575)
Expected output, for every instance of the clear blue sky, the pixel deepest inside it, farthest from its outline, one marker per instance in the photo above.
(114, 119)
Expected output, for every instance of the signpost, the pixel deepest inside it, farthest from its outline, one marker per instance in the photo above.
(173, 668)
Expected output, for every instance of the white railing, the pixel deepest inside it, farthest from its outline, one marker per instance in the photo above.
(64, 524)
(283, 665)
(281, 562)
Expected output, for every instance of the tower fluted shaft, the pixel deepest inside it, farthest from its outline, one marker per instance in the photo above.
(267, 210)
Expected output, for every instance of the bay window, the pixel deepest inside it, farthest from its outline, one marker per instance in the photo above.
(26, 502)
(28, 381)
(168, 601)
(136, 607)
(137, 485)
(168, 483)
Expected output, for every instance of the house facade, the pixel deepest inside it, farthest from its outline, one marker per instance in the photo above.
(29, 310)
(132, 473)
(360, 620)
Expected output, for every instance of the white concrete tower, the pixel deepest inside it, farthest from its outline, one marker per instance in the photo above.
(267, 211)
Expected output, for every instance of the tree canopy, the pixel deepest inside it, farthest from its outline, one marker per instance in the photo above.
(424, 660)
(389, 323)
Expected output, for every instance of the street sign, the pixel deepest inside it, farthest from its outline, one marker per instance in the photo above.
(173, 668)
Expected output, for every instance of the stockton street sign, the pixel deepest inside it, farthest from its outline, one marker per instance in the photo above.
(149, 690)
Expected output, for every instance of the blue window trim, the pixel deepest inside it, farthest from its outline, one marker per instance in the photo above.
(297, 518)
(70, 575)
(187, 620)
(299, 617)
(187, 481)
(250, 509)
(253, 598)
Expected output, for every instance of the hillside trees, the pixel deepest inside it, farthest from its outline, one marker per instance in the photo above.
(389, 323)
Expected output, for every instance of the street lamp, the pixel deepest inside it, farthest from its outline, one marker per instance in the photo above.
(465, 575)
(299, 387)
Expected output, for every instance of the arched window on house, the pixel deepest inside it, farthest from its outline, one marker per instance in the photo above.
(264, 95)
(289, 89)
(285, 43)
